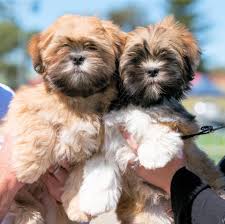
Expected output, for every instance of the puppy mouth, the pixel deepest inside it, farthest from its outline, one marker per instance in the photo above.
(152, 80)
(78, 83)
(78, 71)
(145, 89)
(72, 92)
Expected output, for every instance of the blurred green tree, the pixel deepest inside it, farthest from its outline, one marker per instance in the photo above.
(9, 33)
(185, 12)
(128, 17)
(13, 57)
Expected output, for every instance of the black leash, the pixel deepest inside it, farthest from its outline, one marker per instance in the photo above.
(204, 131)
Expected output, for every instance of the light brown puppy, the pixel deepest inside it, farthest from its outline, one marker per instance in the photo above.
(61, 118)
(156, 67)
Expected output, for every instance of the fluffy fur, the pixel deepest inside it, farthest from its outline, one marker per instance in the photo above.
(169, 50)
(156, 67)
(61, 119)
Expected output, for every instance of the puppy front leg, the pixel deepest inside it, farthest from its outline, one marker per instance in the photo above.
(71, 197)
(32, 155)
(101, 188)
(158, 146)
(92, 189)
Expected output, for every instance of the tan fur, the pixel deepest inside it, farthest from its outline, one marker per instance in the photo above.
(48, 125)
(72, 209)
(141, 203)
(37, 130)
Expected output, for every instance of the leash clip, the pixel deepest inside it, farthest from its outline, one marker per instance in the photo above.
(206, 129)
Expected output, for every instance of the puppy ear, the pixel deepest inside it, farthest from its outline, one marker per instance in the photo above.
(191, 52)
(189, 47)
(34, 52)
(116, 35)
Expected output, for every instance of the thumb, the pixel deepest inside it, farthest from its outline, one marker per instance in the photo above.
(129, 139)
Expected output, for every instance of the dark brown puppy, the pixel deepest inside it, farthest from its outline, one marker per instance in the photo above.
(159, 62)
(156, 68)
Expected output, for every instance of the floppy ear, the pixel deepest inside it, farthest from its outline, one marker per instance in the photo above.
(192, 52)
(190, 49)
(34, 52)
(116, 35)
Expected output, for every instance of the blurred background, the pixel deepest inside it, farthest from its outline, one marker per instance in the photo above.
(19, 19)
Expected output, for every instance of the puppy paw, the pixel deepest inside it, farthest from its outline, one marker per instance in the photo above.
(73, 210)
(160, 147)
(29, 172)
(98, 203)
(152, 160)
(221, 193)
(75, 215)
(219, 184)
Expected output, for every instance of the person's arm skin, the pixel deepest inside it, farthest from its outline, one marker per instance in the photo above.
(9, 186)
(8, 182)
(193, 202)
(152, 176)
(55, 180)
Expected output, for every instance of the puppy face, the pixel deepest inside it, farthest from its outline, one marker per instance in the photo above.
(77, 55)
(158, 61)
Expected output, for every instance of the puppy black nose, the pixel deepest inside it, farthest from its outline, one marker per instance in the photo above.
(153, 72)
(78, 59)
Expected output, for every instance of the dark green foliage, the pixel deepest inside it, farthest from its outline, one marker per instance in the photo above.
(128, 17)
(13, 57)
(9, 36)
(186, 13)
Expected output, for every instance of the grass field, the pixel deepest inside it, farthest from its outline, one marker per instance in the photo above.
(213, 144)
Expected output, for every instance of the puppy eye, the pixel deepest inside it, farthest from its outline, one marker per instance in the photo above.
(65, 45)
(138, 46)
(90, 47)
(163, 52)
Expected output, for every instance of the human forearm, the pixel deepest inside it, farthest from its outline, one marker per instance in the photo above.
(8, 182)
(9, 186)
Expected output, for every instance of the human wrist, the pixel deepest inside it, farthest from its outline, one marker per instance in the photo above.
(12, 183)
(9, 186)
(170, 170)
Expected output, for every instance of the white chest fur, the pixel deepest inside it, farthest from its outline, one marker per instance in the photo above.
(78, 140)
(158, 143)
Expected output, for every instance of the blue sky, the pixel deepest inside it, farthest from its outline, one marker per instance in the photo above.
(212, 12)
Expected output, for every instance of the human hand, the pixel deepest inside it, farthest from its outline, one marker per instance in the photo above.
(55, 179)
(160, 177)
(9, 185)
